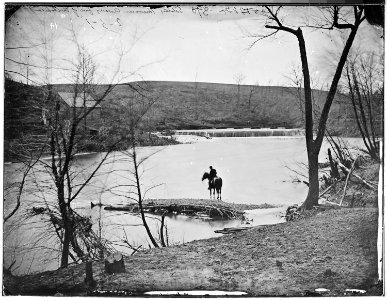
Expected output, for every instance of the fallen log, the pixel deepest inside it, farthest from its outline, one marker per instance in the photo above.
(328, 188)
(120, 208)
(95, 204)
(346, 181)
(326, 202)
(231, 230)
(358, 177)
(191, 210)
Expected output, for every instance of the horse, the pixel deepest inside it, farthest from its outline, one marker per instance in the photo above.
(215, 184)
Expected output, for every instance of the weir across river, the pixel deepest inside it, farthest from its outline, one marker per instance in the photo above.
(243, 132)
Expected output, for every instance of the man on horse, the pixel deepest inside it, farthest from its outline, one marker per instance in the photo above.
(214, 183)
(211, 177)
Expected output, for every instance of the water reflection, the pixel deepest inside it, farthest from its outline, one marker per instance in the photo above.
(252, 170)
(122, 227)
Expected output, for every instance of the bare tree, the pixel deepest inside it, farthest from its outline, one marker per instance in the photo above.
(28, 163)
(239, 78)
(252, 90)
(22, 132)
(364, 80)
(67, 134)
(295, 78)
(67, 130)
(196, 86)
(134, 116)
(335, 18)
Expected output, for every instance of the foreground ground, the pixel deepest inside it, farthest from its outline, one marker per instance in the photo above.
(335, 249)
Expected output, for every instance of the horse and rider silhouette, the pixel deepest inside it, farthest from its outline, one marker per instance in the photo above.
(214, 183)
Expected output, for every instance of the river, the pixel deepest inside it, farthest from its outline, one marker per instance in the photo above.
(254, 170)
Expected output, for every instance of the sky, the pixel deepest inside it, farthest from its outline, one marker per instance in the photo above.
(177, 43)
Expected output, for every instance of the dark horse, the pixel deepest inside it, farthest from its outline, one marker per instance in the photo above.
(215, 184)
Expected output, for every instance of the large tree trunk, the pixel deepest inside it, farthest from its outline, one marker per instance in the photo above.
(66, 243)
(313, 193)
(66, 218)
(314, 145)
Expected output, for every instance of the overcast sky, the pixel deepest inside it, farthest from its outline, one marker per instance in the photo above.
(183, 43)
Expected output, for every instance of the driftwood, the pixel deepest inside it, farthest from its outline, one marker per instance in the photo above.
(328, 188)
(231, 230)
(346, 181)
(114, 263)
(187, 209)
(358, 177)
(331, 203)
(95, 204)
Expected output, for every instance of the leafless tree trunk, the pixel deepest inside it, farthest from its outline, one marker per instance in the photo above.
(196, 85)
(252, 91)
(135, 115)
(363, 85)
(239, 78)
(138, 186)
(65, 132)
(314, 145)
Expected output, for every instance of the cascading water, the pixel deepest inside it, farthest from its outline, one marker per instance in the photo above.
(245, 132)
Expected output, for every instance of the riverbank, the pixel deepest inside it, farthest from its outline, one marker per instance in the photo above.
(89, 145)
(336, 249)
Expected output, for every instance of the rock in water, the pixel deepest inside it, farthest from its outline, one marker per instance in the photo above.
(114, 263)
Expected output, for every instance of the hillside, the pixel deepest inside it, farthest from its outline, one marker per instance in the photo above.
(190, 105)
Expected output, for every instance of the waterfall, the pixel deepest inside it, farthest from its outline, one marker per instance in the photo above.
(244, 132)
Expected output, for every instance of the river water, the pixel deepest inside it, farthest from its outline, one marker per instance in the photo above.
(254, 171)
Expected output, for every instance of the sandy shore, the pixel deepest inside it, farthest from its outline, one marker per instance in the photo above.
(335, 249)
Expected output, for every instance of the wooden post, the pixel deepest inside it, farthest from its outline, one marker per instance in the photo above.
(114, 263)
(89, 274)
(346, 181)
(162, 231)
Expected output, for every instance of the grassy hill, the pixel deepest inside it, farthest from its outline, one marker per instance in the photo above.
(190, 105)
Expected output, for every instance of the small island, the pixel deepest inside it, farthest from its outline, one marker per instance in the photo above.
(201, 208)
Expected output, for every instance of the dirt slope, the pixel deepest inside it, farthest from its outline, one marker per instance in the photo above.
(336, 249)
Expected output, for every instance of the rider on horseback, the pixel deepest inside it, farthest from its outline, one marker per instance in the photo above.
(211, 177)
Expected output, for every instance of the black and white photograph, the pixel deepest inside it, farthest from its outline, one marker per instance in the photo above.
(186, 150)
